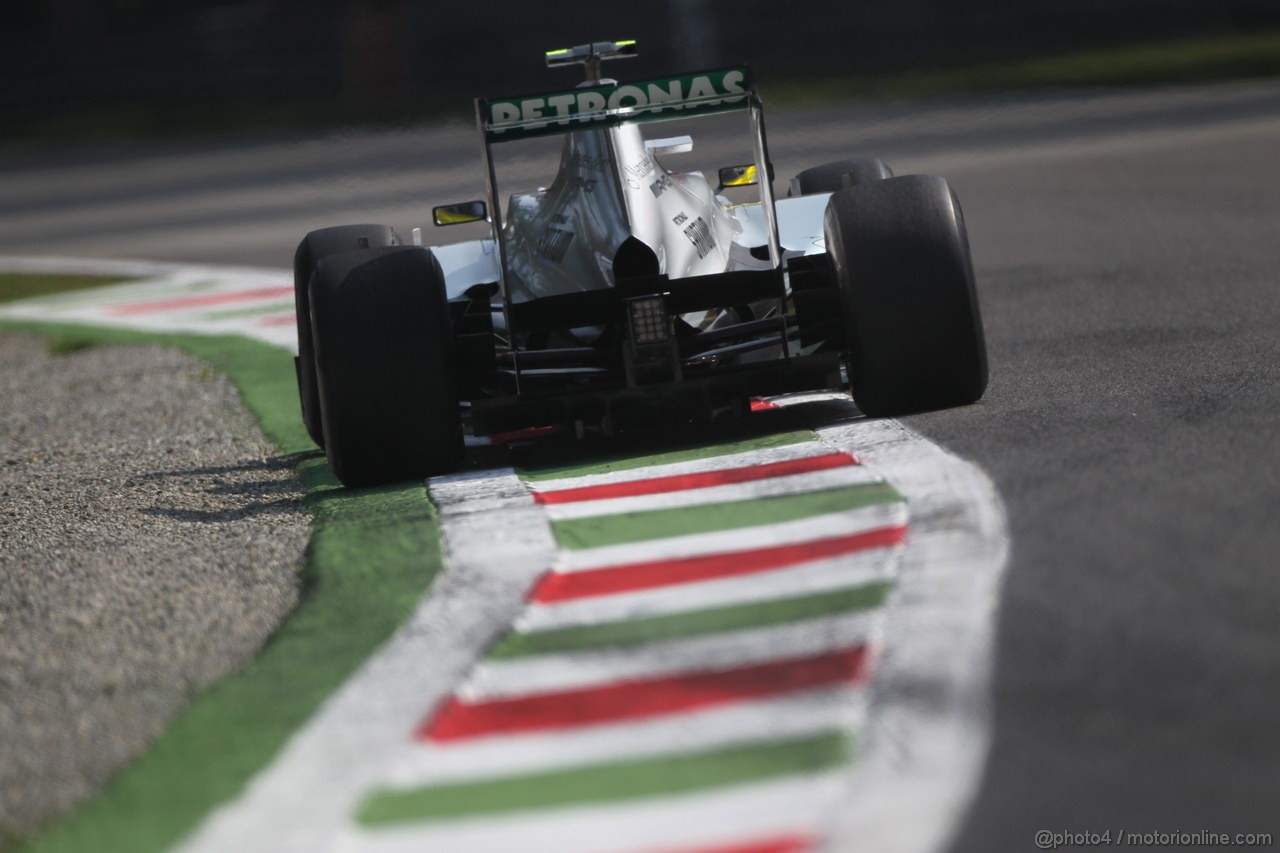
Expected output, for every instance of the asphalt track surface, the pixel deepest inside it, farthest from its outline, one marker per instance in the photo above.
(1127, 247)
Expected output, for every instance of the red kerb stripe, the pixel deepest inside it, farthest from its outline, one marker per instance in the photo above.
(203, 301)
(778, 844)
(702, 480)
(634, 700)
(555, 586)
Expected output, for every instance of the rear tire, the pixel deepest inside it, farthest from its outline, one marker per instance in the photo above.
(383, 343)
(830, 177)
(314, 248)
(913, 331)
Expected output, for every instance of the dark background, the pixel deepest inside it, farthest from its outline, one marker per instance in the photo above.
(153, 65)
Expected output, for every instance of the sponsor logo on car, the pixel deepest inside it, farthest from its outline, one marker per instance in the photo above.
(707, 91)
(699, 234)
(642, 168)
(554, 243)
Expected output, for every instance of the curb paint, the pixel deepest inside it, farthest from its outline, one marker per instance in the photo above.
(712, 652)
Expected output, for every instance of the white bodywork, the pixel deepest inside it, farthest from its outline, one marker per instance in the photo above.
(609, 187)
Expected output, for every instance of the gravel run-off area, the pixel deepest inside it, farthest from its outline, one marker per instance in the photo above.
(150, 541)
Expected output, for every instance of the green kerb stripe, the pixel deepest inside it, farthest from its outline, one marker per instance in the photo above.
(675, 625)
(648, 777)
(598, 531)
(535, 472)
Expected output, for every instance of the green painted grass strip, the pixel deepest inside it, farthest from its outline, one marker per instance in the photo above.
(15, 286)
(373, 552)
(647, 777)
(535, 469)
(761, 614)
(598, 531)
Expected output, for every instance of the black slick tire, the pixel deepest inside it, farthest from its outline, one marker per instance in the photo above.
(316, 246)
(383, 343)
(899, 253)
(830, 177)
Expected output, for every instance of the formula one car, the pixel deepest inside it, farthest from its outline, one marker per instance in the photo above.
(630, 294)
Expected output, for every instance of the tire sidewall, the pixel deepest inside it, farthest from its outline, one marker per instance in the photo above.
(900, 257)
(385, 365)
(313, 248)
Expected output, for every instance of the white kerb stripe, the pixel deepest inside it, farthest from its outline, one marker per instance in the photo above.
(825, 526)
(827, 575)
(809, 712)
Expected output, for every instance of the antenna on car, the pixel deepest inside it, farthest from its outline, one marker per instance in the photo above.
(591, 55)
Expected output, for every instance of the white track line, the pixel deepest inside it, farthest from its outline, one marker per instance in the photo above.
(497, 543)
(125, 269)
(158, 281)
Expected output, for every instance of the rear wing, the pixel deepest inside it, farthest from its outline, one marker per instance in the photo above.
(608, 102)
(603, 103)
